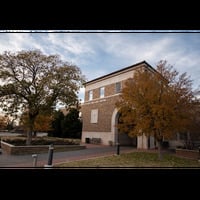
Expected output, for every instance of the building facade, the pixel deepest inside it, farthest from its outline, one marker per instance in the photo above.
(99, 113)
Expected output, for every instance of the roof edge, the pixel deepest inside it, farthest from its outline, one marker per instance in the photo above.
(123, 69)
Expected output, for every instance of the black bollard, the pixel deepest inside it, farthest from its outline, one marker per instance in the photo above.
(34, 160)
(118, 148)
(50, 159)
(199, 153)
(50, 156)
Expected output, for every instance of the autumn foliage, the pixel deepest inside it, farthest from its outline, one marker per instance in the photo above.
(3, 122)
(157, 103)
(42, 122)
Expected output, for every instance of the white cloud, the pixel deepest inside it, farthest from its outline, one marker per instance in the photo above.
(70, 42)
(180, 50)
(81, 94)
(100, 53)
(19, 41)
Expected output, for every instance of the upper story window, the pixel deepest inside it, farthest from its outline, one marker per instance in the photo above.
(102, 92)
(118, 87)
(90, 95)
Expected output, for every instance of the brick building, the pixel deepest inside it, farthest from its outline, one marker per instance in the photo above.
(100, 114)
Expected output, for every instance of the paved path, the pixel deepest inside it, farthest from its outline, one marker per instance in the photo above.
(91, 151)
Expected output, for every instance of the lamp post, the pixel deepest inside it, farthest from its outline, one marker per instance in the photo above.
(118, 144)
(118, 148)
(199, 153)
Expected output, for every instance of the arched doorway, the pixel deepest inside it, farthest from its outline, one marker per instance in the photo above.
(122, 138)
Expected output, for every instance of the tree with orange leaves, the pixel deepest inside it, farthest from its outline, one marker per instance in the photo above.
(157, 103)
(3, 122)
(42, 122)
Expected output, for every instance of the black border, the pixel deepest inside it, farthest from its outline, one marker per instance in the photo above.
(124, 18)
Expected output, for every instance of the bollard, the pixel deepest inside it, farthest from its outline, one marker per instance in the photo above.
(118, 148)
(199, 153)
(34, 160)
(50, 156)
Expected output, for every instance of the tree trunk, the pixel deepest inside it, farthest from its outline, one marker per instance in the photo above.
(29, 137)
(160, 150)
(30, 131)
(34, 133)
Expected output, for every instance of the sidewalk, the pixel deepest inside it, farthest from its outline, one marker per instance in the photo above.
(91, 151)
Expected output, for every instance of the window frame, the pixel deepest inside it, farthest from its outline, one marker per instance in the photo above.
(90, 95)
(118, 87)
(102, 92)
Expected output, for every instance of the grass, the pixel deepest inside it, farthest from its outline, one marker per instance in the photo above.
(134, 159)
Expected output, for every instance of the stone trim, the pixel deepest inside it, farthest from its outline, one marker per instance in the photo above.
(99, 100)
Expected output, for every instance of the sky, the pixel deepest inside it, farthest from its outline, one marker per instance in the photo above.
(98, 53)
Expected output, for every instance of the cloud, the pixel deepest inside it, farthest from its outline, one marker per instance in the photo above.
(19, 41)
(98, 53)
(81, 94)
(69, 44)
(179, 49)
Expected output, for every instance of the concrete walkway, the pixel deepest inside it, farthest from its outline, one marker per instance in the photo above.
(91, 151)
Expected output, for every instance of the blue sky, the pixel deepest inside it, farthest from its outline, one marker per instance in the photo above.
(97, 53)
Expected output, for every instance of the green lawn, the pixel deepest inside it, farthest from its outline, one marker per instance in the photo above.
(134, 159)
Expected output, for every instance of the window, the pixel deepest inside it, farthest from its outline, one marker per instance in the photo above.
(118, 87)
(90, 95)
(94, 116)
(102, 90)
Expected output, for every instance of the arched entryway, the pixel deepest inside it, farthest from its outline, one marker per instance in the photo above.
(120, 137)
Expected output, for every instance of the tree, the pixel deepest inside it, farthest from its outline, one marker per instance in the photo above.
(56, 125)
(34, 82)
(157, 103)
(3, 122)
(68, 125)
(42, 122)
(72, 125)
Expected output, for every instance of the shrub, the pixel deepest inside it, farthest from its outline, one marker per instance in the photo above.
(21, 141)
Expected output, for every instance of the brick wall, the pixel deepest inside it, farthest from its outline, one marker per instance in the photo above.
(105, 108)
(20, 150)
(109, 90)
(96, 93)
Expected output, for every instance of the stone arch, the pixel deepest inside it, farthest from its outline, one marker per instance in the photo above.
(114, 130)
(122, 138)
